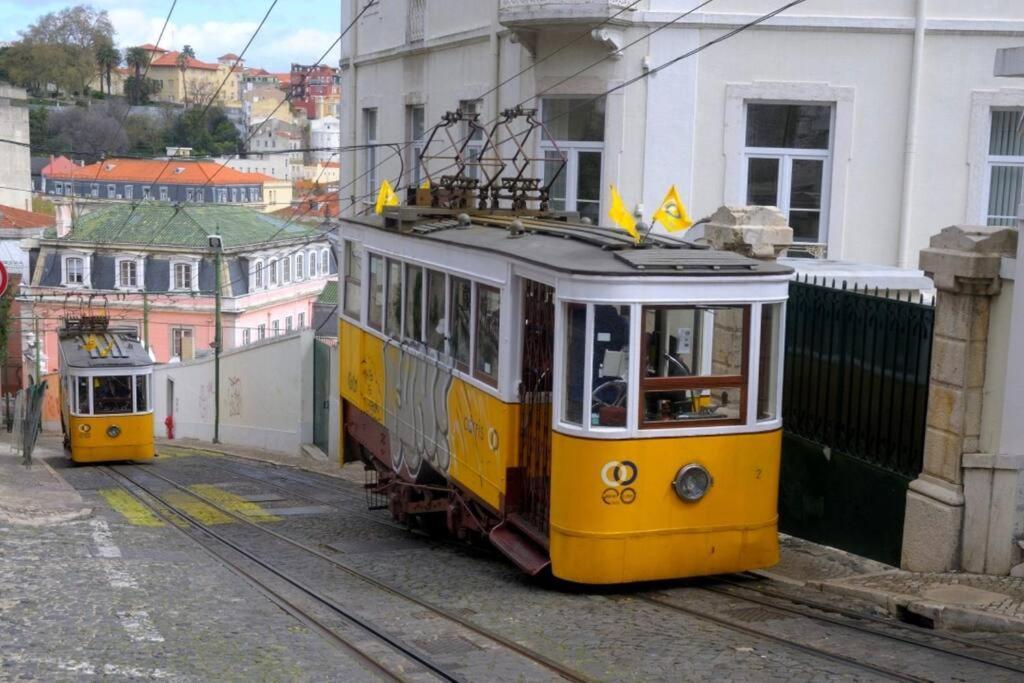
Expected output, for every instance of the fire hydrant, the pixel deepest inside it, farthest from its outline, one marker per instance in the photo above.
(169, 423)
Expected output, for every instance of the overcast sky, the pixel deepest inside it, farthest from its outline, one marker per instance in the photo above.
(297, 30)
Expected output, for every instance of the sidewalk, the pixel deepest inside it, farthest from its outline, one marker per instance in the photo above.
(36, 496)
(946, 601)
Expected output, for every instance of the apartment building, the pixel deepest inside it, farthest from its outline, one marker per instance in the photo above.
(871, 124)
(152, 267)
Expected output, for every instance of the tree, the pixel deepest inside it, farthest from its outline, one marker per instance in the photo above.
(136, 87)
(186, 55)
(38, 133)
(88, 133)
(209, 135)
(108, 58)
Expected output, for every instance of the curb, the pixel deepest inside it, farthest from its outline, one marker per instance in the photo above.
(941, 616)
(32, 516)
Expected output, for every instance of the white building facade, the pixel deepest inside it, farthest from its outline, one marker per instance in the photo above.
(870, 123)
(324, 139)
(15, 161)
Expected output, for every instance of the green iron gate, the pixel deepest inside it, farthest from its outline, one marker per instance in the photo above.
(855, 397)
(321, 394)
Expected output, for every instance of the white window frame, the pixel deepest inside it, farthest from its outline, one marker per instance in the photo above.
(191, 333)
(299, 267)
(370, 153)
(325, 262)
(147, 192)
(140, 273)
(311, 259)
(571, 150)
(194, 264)
(979, 163)
(111, 191)
(164, 194)
(416, 149)
(246, 336)
(258, 275)
(288, 324)
(273, 274)
(129, 191)
(85, 258)
(94, 190)
(286, 270)
(841, 98)
(300, 320)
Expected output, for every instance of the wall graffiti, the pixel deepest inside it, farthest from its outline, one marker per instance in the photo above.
(205, 400)
(235, 396)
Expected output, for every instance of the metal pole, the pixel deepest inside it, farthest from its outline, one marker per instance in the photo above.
(36, 333)
(216, 345)
(145, 320)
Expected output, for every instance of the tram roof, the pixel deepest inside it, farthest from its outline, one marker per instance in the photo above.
(109, 349)
(564, 245)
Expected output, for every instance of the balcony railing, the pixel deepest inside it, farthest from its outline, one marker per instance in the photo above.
(515, 13)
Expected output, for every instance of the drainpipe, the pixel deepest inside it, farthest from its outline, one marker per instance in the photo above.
(916, 65)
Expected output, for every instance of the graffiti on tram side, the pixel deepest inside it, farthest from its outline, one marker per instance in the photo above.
(416, 409)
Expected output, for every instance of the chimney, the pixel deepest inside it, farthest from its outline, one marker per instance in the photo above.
(63, 219)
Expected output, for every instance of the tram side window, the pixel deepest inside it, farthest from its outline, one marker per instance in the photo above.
(610, 384)
(575, 362)
(413, 303)
(83, 395)
(112, 395)
(376, 294)
(488, 317)
(437, 324)
(142, 393)
(768, 375)
(393, 314)
(461, 310)
(693, 367)
(353, 278)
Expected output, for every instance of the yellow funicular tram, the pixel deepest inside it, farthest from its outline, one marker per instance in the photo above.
(600, 408)
(106, 405)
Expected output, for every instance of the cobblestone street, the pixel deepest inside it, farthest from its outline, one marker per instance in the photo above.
(138, 591)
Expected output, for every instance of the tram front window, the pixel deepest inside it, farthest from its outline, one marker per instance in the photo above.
(112, 395)
(141, 393)
(83, 395)
(610, 369)
(693, 366)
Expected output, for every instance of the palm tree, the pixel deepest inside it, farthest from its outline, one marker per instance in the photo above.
(137, 59)
(184, 56)
(107, 57)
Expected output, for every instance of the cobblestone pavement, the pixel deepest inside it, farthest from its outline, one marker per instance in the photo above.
(125, 595)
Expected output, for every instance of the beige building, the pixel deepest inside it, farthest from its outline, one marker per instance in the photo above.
(197, 83)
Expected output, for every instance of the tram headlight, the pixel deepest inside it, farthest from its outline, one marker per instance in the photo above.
(113, 431)
(692, 482)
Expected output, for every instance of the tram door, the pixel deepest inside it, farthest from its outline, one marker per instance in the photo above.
(535, 402)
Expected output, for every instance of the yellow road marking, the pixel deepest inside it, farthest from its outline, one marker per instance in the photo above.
(230, 501)
(130, 508)
(195, 508)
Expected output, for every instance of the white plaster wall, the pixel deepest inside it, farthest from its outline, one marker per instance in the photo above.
(266, 395)
(15, 169)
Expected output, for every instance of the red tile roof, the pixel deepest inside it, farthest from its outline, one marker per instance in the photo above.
(158, 171)
(231, 55)
(171, 59)
(150, 47)
(11, 217)
(59, 165)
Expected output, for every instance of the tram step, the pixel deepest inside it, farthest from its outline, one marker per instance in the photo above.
(519, 548)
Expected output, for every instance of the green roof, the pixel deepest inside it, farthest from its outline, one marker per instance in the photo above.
(329, 295)
(158, 224)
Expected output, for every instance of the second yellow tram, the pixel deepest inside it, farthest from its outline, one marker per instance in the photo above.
(602, 410)
(106, 405)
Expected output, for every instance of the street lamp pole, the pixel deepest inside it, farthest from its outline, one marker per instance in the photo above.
(218, 245)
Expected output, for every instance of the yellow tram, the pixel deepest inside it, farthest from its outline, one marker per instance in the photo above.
(605, 410)
(106, 405)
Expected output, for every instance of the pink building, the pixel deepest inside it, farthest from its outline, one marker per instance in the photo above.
(152, 266)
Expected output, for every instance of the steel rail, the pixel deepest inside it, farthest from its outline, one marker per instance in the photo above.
(524, 651)
(287, 605)
(854, 614)
(803, 647)
(393, 642)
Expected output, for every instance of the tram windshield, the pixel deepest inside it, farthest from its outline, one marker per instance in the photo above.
(112, 394)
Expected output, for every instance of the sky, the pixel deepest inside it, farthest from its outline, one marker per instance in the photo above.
(297, 30)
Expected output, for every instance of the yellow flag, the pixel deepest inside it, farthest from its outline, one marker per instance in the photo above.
(672, 214)
(621, 216)
(386, 197)
(425, 185)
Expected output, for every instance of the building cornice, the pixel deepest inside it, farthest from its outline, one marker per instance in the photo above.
(450, 41)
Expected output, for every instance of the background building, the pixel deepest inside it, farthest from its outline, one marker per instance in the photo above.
(315, 89)
(152, 267)
(835, 111)
(325, 139)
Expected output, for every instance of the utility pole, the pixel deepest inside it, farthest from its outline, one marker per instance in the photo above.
(218, 245)
(145, 320)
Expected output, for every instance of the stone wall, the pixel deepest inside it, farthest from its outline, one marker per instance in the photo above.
(15, 162)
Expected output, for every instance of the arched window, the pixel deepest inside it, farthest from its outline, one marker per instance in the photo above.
(299, 267)
(273, 272)
(257, 275)
(325, 262)
(312, 264)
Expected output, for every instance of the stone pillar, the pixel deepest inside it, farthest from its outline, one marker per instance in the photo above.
(964, 263)
(759, 232)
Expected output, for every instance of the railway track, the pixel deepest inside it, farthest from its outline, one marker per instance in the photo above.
(536, 658)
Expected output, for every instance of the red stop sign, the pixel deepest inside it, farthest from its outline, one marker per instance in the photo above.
(3, 278)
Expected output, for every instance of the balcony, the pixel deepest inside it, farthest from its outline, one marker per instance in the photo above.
(536, 13)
